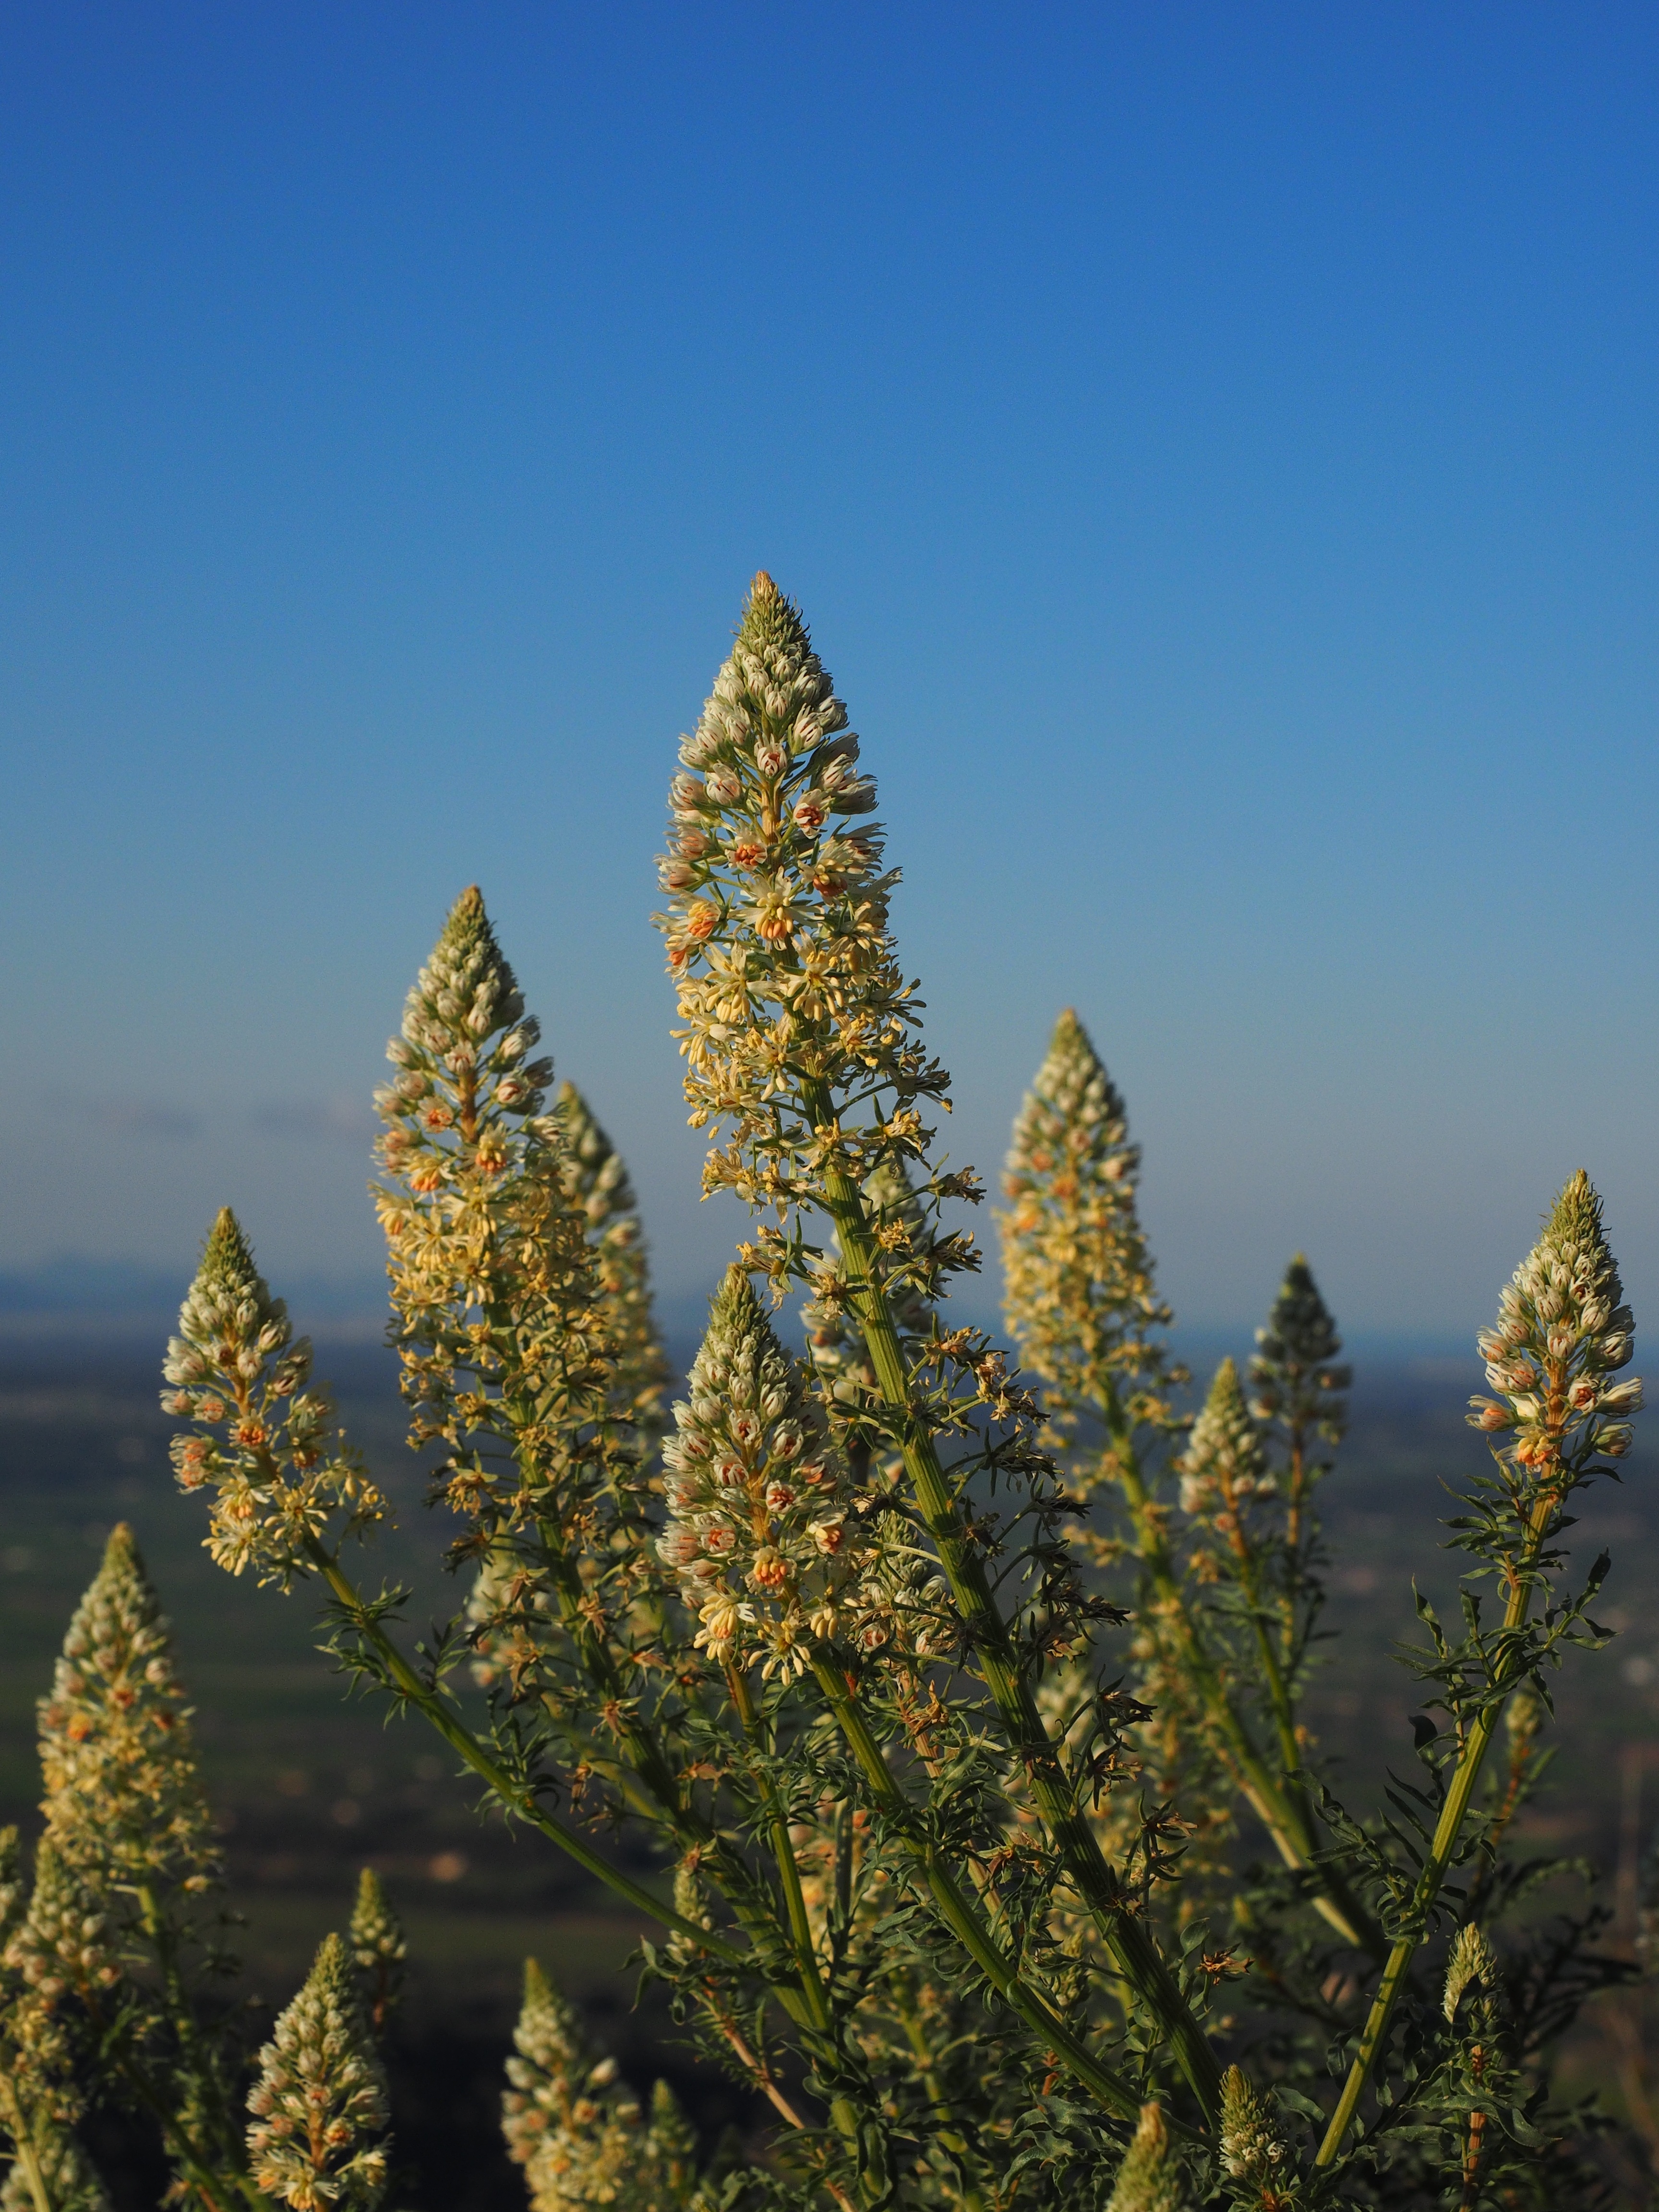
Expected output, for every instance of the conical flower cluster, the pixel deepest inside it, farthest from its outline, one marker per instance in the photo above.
(319, 2103)
(597, 1184)
(38, 2096)
(124, 1802)
(65, 1945)
(762, 1528)
(466, 1080)
(1253, 2147)
(580, 2138)
(1472, 1963)
(491, 1272)
(1563, 1333)
(1150, 2177)
(1225, 1465)
(379, 1948)
(1295, 1375)
(1078, 1291)
(777, 930)
(261, 1436)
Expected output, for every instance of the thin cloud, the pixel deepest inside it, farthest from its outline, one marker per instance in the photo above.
(310, 1119)
(146, 1117)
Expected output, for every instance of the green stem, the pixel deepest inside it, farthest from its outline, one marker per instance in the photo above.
(22, 2143)
(1125, 1936)
(460, 1739)
(1285, 1813)
(955, 1909)
(1446, 1829)
(801, 1927)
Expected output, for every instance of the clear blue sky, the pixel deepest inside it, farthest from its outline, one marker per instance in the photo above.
(1215, 447)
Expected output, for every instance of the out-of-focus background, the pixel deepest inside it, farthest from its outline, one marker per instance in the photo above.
(310, 1785)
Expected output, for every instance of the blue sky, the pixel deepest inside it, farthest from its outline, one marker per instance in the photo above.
(1215, 447)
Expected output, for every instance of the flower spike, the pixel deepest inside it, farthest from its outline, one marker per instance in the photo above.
(1225, 1465)
(1562, 1333)
(1080, 1299)
(318, 2139)
(596, 1182)
(1151, 2179)
(124, 1802)
(764, 1526)
(577, 2132)
(379, 1948)
(236, 1369)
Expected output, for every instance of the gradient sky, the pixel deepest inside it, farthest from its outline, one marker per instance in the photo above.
(1215, 447)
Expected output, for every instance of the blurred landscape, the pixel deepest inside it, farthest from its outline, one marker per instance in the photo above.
(309, 1785)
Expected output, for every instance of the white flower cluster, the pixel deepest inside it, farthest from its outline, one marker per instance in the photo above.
(444, 1110)
(261, 1436)
(65, 1943)
(123, 1800)
(596, 1181)
(1563, 1333)
(319, 2104)
(777, 932)
(1079, 1295)
(1252, 2148)
(578, 2133)
(1225, 1465)
(764, 1529)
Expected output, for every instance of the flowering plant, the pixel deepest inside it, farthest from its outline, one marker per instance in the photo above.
(952, 1701)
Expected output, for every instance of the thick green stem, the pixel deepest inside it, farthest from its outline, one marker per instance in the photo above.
(1447, 1828)
(1281, 1806)
(994, 1655)
(432, 1707)
(955, 1909)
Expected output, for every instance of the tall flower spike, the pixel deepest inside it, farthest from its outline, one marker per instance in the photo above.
(378, 1949)
(1224, 1467)
(1078, 1297)
(489, 1266)
(596, 1181)
(319, 2103)
(1151, 2179)
(777, 927)
(578, 2137)
(1253, 2147)
(1295, 1375)
(124, 1802)
(260, 1440)
(1563, 1331)
(762, 1527)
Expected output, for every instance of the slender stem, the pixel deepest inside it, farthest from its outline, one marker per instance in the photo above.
(801, 1927)
(1447, 1830)
(1287, 1816)
(1127, 1937)
(22, 2143)
(955, 1909)
(460, 1739)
